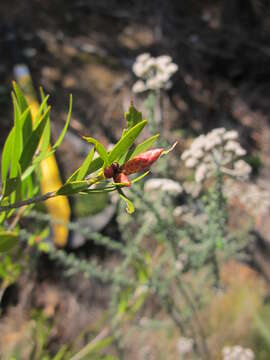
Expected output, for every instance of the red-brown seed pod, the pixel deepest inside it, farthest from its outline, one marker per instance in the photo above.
(141, 162)
(122, 178)
(111, 171)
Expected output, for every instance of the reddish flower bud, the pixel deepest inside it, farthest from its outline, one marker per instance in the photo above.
(111, 171)
(122, 178)
(141, 162)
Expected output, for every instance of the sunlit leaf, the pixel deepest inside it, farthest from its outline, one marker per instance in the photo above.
(140, 177)
(144, 146)
(129, 204)
(33, 142)
(100, 149)
(85, 165)
(72, 187)
(126, 141)
(6, 155)
(132, 116)
(17, 143)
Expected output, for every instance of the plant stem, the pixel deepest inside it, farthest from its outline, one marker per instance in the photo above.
(33, 200)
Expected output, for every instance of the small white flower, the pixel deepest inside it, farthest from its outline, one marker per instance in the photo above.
(237, 353)
(185, 345)
(139, 87)
(143, 57)
(166, 185)
(201, 173)
(242, 168)
(163, 60)
(191, 162)
(230, 135)
(186, 154)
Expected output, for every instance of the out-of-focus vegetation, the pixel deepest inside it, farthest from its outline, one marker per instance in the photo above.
(166, 264)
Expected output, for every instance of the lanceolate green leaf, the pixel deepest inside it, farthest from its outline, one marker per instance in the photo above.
(6, 155)
(144, 146)
(17, 143)
(129, 204)
(132, 116)
(84, 167)
(33, 142)
(20, 97)
(100, 149)
(26, 119)
(73, 187)
(42, 108)
(63, 133)
(96, 164)
(8, 240)
(126, 141)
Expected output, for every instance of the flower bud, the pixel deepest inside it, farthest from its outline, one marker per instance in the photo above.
(141, 162)
(122, 178)
(111, 171)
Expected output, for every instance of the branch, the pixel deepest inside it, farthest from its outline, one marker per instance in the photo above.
(30, 201)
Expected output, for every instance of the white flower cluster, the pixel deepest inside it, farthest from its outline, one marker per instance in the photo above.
(254, 198)
(165, 185)
(154, 73)
(185, 345)
(218, 147)
(237, 353)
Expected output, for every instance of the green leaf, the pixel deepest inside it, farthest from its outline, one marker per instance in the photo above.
(45, 141)
(92, 348)
(144, 146)
(11, 185)
(132, 116)
(100, 149)
(126, 141)
(8, 240)
(26, 121)
(85, 165)
(96, 164)
(17, 143)
(129, 204)
(33, 142)
(6, 155)
(20, 97)
(24, 109)
(140, 177)
(72, 187)
(63, 133)
(41, 109)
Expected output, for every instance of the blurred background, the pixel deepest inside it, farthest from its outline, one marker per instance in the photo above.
(88, 48)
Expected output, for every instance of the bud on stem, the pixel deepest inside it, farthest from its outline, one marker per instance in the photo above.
(141, 162)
